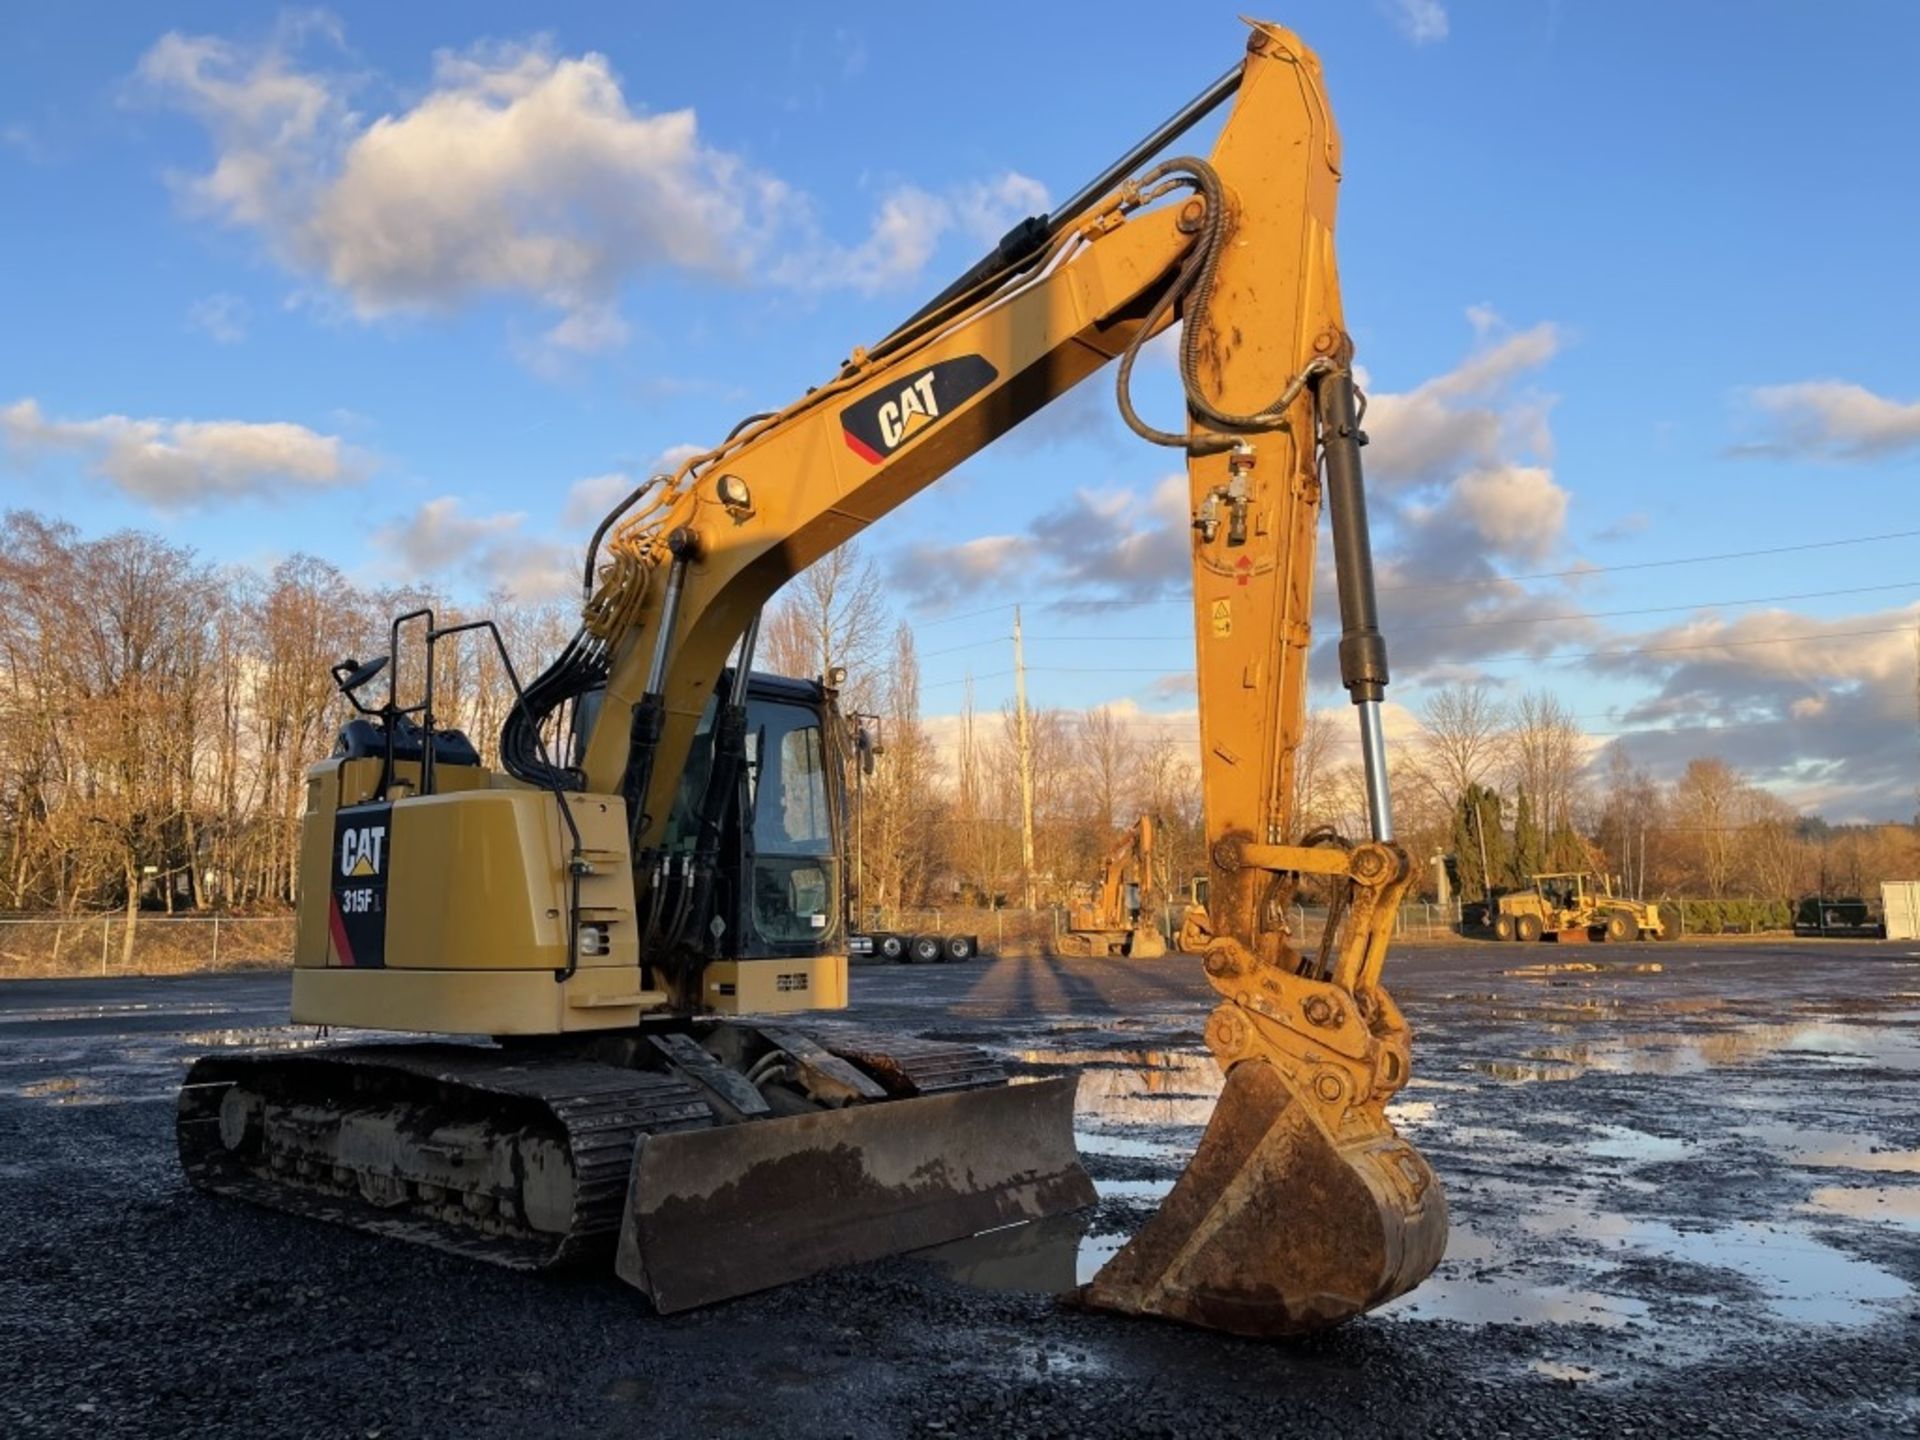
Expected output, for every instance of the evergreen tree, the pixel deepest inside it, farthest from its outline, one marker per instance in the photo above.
(1479, 841)
(1567, 851)
(1529, 845)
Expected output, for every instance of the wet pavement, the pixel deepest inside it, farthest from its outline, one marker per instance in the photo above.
(1684, 1181)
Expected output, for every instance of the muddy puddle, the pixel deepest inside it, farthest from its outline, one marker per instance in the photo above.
(145, 1071)
(1537, 1180)
(1662, 1052)
(130, 1010)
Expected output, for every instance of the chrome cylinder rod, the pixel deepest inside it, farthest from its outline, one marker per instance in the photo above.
(1373, 759)
(1363, 651)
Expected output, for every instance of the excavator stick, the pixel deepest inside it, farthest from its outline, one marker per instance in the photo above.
(727, 1211)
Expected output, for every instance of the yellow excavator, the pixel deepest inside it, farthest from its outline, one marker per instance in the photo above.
(1119, 919)
(594, 948)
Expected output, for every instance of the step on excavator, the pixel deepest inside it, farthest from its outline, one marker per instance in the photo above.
(1119, 919)
(593, 952)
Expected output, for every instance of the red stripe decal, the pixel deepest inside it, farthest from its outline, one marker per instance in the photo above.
(339, 929)
(860, 447)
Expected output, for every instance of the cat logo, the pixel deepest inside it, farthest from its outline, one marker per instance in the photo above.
(915, 407)
(362, 848)
(881, 423)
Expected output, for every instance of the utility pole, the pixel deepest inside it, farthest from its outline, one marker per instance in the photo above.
(1026, 759)
(1480, 830)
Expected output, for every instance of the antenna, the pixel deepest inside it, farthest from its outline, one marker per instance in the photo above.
(1026, 759)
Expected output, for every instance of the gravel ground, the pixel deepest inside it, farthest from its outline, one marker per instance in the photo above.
(1685, 1184)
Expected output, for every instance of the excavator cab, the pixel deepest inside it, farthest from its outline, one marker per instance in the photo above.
(780, 892)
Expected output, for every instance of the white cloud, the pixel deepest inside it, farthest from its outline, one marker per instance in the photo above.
(589, 500)
(220, 317)
(910, 225)
(1464, 416)
(1834, 419)
(1115, 543)
(1421, 21)
(1518, 509)
(1776, 646)
(1819, 710)
(904, 234)
(180, 463)
(441, 541)
(439, 536)
(989, 209)
(937, 575)
(519, 171)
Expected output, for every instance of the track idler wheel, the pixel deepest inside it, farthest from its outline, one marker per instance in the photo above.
(1278, 1226)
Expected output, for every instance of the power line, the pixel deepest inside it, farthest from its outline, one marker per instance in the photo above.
(1660, 564)
(1805, 546)
(1487, 660)
(1660, 609)
(1707, 645)
(1477, 624)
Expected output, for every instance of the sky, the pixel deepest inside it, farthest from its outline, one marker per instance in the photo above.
(419, 289)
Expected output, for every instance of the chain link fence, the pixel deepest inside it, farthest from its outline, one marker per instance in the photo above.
(1017, 931)
(53, 946)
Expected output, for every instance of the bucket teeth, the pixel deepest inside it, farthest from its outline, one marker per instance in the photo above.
(1278, 1227)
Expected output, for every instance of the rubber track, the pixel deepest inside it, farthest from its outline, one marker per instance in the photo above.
(599, 1111)
(910, 1067)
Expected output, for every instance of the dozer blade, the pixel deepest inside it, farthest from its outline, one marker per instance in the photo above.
(739, 1208)
(1145, 943)
(1277, 1227)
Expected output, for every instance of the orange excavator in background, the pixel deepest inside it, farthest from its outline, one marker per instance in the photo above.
(629, 903)
(1119, 919)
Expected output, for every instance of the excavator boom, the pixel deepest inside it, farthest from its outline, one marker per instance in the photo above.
(1302, 1206)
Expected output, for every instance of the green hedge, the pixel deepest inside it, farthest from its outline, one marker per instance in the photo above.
(1720, 917)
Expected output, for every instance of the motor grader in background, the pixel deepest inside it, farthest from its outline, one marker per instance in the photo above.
(608, 933)
(1571, 907)
(1120, 919)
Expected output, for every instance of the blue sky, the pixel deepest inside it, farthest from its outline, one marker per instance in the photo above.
(403, 287)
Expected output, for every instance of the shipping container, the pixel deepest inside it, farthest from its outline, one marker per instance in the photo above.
(1900, 905)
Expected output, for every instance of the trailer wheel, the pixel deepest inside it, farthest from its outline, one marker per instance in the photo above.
(1619, 928)
(927, 949)
(962, 947)
(1527, 927)
(1503, 927)
(893, 947)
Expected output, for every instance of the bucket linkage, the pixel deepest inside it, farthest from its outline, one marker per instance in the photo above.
(1301, 1207)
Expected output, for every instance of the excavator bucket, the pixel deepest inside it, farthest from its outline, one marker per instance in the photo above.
(1278, 1227)
(725, 1211)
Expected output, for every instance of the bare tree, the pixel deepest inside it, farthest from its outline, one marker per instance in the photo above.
(1463, 741)
(902, 820)
(1106, 754)
(1776, 857)
(1312, 804)
(1545, 758)
(1630, 820)
(833, 613)
(1706, 806)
